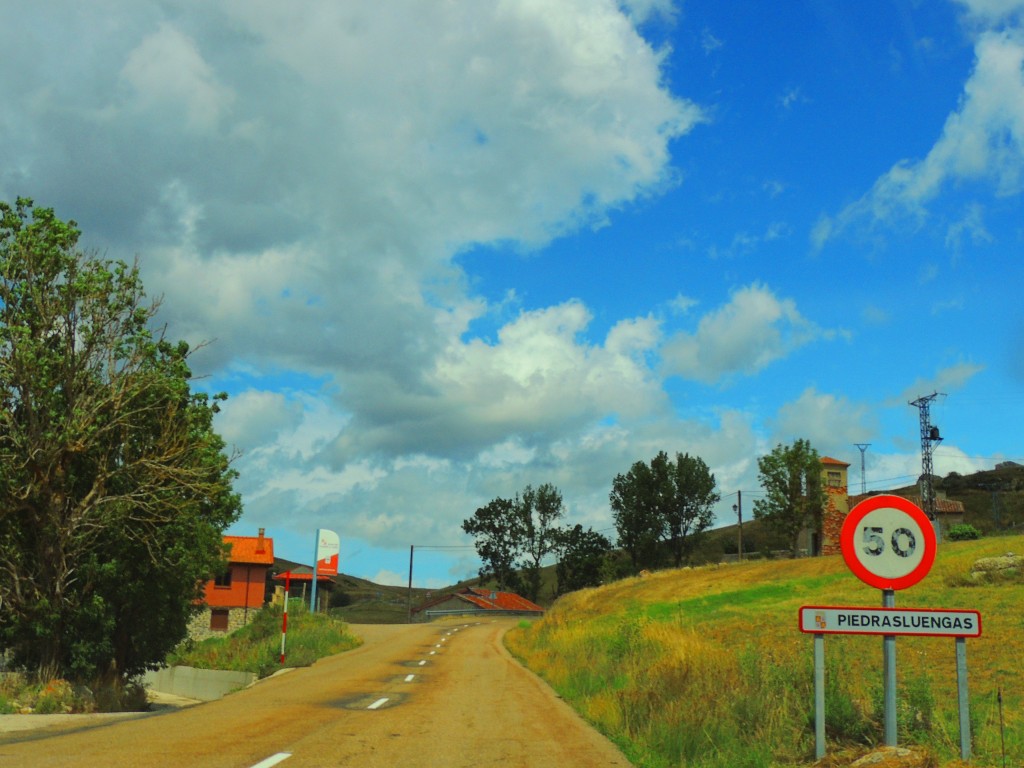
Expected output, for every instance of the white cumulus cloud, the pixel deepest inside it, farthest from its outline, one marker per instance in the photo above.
(753, 330)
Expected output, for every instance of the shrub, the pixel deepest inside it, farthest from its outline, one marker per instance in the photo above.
(55, 697)
(963, 532)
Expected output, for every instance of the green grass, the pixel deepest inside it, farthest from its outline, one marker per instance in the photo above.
(257, 647)
(705, 667)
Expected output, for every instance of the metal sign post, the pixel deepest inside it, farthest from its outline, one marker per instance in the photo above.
(819, 695)
(962, 701)
(284, 614)
(889, 674)
(821, 620)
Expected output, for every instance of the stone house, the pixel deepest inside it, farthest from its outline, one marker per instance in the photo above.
(232, 598)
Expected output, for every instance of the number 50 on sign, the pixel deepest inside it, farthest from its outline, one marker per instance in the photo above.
(888, 542)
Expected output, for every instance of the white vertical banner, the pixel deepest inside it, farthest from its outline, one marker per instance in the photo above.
(327, 548)
(325, 559)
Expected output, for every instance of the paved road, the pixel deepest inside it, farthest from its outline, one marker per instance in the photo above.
(420, 695)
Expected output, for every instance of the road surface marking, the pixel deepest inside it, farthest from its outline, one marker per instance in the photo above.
(378, 704)
(273, 760)
(423, 662)
(410, 678)
(433, 652)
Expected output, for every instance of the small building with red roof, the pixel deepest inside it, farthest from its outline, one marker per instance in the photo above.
(476, 601)
(230, 599)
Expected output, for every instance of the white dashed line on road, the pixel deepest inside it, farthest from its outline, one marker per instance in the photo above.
(273, 760)
(378, 704)
(410, 678)
(423, 662)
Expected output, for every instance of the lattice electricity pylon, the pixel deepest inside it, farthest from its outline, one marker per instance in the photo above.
(863, 482)
(929, 435)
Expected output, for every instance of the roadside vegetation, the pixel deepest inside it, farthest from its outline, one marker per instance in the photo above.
(256, 647)
(706, 667)
(21, 694)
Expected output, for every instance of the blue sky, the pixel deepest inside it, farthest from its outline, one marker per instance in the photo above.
(445, 250)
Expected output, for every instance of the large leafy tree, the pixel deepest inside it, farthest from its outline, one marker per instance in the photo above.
(690, 511)
(666, 504)
(635, 510)
(497, 531)
(582, 556)
(514, 536)
(794, 495)
(539, 511)
(114, 487)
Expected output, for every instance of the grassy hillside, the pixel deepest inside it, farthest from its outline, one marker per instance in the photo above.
(706, 666)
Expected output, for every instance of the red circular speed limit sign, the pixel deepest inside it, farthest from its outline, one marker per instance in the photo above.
(888, 542)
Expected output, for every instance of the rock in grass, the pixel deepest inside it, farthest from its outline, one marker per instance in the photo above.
(1004, 566)
(895, 757)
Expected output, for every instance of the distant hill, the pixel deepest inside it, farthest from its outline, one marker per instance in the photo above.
(361, 601)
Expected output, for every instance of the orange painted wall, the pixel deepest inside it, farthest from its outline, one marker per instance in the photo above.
(246, 590)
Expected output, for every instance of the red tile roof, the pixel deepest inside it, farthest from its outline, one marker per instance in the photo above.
(302, 573)
(505, 601)
(946, 506)
(252, 550)
(487, 600)
(833, 462)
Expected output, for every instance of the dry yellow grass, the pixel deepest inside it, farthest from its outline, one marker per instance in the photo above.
(641, 656)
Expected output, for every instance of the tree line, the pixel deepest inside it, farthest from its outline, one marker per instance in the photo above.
(662, 510)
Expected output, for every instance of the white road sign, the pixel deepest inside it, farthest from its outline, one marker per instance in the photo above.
(820, 619)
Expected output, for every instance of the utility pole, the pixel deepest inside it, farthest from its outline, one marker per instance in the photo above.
(738, 509)
(412, 549)
(863, 483)
(929, 435)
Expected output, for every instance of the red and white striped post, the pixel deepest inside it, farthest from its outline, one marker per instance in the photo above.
(284, 615)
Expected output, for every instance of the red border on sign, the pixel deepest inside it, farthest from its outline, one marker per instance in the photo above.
(800, 625)
(862, 510)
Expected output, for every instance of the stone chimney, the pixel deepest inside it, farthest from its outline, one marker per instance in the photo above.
(260, 549)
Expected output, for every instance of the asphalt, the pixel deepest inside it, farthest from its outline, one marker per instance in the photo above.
(158, 702)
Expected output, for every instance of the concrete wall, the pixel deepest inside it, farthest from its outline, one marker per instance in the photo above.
(199, 684)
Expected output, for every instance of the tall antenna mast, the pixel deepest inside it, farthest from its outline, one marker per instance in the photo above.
(863, 483)
(929, 435)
